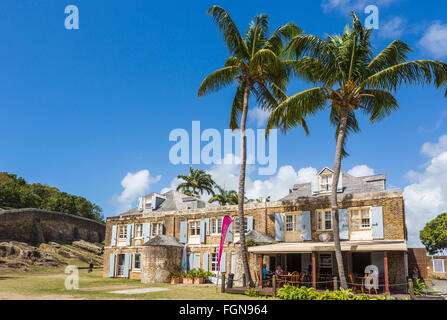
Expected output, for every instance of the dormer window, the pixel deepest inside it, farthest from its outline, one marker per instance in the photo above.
(326, 183)
(148, 203)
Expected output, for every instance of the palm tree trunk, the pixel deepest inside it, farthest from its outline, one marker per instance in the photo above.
(241, 193)
(334, 204)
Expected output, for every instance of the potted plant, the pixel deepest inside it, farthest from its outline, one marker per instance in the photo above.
(200, 277)
(189, 278)
(176, 278)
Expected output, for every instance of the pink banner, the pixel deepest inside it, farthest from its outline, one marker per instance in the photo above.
(225, 224)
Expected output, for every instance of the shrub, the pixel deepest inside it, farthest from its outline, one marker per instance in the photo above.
(289, 292)
(419, 287)
(251, 292)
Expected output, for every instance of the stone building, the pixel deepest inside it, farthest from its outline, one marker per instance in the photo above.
(294, 232)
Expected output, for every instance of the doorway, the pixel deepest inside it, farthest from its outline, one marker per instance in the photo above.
(120, 266)
(360, 260)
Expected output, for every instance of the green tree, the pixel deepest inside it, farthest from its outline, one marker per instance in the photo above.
(434, 234)
(196, 182)
(350, 79)
(255, 66)
(224, 197)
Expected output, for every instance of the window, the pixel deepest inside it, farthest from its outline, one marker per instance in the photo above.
(438, 266)
(137, 261)
(138, 230)
(148, 203)
(236, 223)
(361, 218)
(122, 234)
(289, 223)
(216, 225)
(324, 220)
(214, 262)
(194, 228)
(325, 183)
(157, 228)
(293, 222)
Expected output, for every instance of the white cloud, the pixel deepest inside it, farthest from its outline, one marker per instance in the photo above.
(434, 40)
(361, 171)
(135, 185)
(258, 116)
(426, 197)
(435, 149)
(345, 6)
(392, 29)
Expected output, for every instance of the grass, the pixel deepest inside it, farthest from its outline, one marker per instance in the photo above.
(49, 283)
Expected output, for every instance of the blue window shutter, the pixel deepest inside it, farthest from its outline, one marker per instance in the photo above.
(183, 231)
(249, 223)
(197, 261)
(279, 226)
(129, 235)
(146, 231)
(127, 259)
(114, 230)
(315, 185)
(202, 230)
(112, 265)
(343, 224)
(191, 261)
(223, 262)
(377, 222)
(340, 182)
(307, 226)
(207, 226)
(205, 261)
(229, 235)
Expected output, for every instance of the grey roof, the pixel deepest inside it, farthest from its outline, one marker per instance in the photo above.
(350, 185)
(163, 240)
(258, 237)
(169, 201)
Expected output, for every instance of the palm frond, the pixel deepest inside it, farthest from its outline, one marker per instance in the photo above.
(418, 72)
(219, 79)
(233, 39)
(380, 106)
(352, 126)
(395, 53)
(236, 108)
(278, 40)
(291, 112)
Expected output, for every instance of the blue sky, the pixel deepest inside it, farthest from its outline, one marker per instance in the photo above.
(81, 109)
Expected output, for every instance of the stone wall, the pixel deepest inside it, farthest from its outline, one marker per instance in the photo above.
(159, 261)
(37, 226)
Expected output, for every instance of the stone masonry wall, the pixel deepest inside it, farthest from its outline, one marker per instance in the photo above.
(37, 226)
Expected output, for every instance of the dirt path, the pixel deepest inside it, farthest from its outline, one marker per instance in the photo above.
(17, 296)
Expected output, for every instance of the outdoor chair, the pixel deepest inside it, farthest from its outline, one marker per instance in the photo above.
(295, 279)
(355, 286)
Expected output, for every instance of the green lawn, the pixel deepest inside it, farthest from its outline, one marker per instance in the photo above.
(49, 284)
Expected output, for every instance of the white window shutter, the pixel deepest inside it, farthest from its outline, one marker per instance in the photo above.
(113, 240)
(111, 265)
(223, 262)
(183, 231)
(279, 226)
(249, 223)
(377, 222)
(307, 226)
(205, 261)
(315, 185)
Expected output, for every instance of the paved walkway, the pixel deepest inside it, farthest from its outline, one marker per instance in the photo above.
(440, 286)
(138, 291)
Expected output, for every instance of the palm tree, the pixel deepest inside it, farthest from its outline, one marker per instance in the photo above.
(350, 79)
(196, 182)
(224, 197)
(256, 67)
